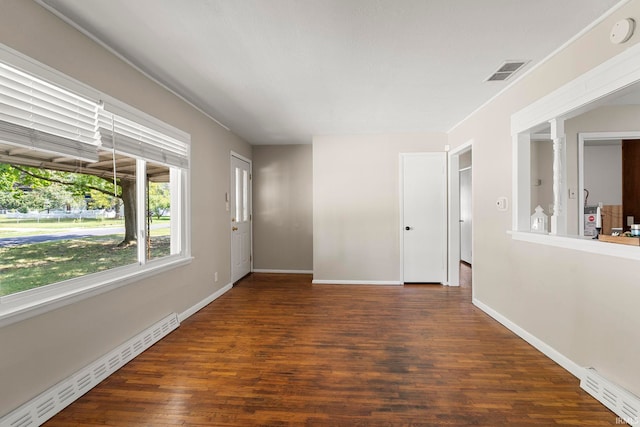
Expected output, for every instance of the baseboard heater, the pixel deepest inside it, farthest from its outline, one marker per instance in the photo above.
(43, 407)
(620, 401)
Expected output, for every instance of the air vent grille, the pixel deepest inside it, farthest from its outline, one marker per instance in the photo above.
(614, 397)
(52, 401)
(506, 70)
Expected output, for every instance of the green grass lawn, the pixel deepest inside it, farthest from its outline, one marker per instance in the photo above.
(14, 227)
(33, 265)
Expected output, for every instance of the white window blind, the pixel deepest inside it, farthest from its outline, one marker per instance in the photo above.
(38, 115)
(140, 141)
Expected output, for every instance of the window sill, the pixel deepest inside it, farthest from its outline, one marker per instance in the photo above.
(584, 244)
(21, 306)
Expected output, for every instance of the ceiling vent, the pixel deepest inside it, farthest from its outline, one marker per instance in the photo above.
(506, 70)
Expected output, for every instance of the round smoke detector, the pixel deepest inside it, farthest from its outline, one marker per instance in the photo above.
(622, 31)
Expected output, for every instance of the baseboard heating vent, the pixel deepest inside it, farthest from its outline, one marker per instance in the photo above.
(620, 401)
(43, 407)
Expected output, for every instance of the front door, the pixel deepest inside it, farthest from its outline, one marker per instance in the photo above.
(424, 222)
(240, 207)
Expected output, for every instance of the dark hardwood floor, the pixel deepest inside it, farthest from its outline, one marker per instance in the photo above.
(277, 351)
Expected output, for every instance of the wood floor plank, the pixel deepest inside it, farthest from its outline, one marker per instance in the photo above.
(278, 351)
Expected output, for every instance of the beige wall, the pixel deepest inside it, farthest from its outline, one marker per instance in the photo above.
(582, 305)
(282, 207)
(356, 213)
(39, 352)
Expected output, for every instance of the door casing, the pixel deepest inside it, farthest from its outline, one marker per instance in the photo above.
(453, 166)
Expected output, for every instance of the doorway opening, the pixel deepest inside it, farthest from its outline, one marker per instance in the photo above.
(460, 218)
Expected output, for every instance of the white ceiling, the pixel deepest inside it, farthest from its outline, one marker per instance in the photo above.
(281, 71)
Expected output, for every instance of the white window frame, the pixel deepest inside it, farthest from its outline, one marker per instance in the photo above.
(33, 302)
(574, 98)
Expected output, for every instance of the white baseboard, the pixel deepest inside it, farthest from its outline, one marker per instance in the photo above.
(267, 270)
(546, 349)
(200, 305)
(48, 403)
(356, 282)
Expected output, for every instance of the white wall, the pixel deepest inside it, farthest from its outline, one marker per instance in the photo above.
(38, 352)
(603, 173)
(356, 213)
(582, 305)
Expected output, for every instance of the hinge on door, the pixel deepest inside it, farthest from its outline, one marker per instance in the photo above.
(250, 217)
(250, 177)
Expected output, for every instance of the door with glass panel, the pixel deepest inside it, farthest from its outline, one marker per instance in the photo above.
(240, 208)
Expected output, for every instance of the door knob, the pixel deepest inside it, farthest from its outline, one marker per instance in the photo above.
(234, 228)
(407, 228)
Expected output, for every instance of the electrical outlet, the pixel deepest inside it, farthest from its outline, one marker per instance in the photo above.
(630, 221)
(572, 193)
(215, 276)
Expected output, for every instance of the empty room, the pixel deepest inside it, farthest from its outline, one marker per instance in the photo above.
(320, 213)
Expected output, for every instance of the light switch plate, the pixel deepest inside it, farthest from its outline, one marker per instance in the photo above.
(502, 204)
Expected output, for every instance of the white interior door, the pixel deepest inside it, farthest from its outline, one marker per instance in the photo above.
(465, 216)
(240, 207)
(424, 222)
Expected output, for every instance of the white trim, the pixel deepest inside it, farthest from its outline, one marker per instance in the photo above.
(453, 214)
(141, 210)
(267, 270)
(569, 100)
(240, 156)
(357, 282)
(543, 347)
(526, 73)
(584, 244)
(202, 304)
(48, 403)
(401, 213)
(21, 306)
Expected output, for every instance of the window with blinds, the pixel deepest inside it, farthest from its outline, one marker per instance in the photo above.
(69, 163)
(38, 115)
